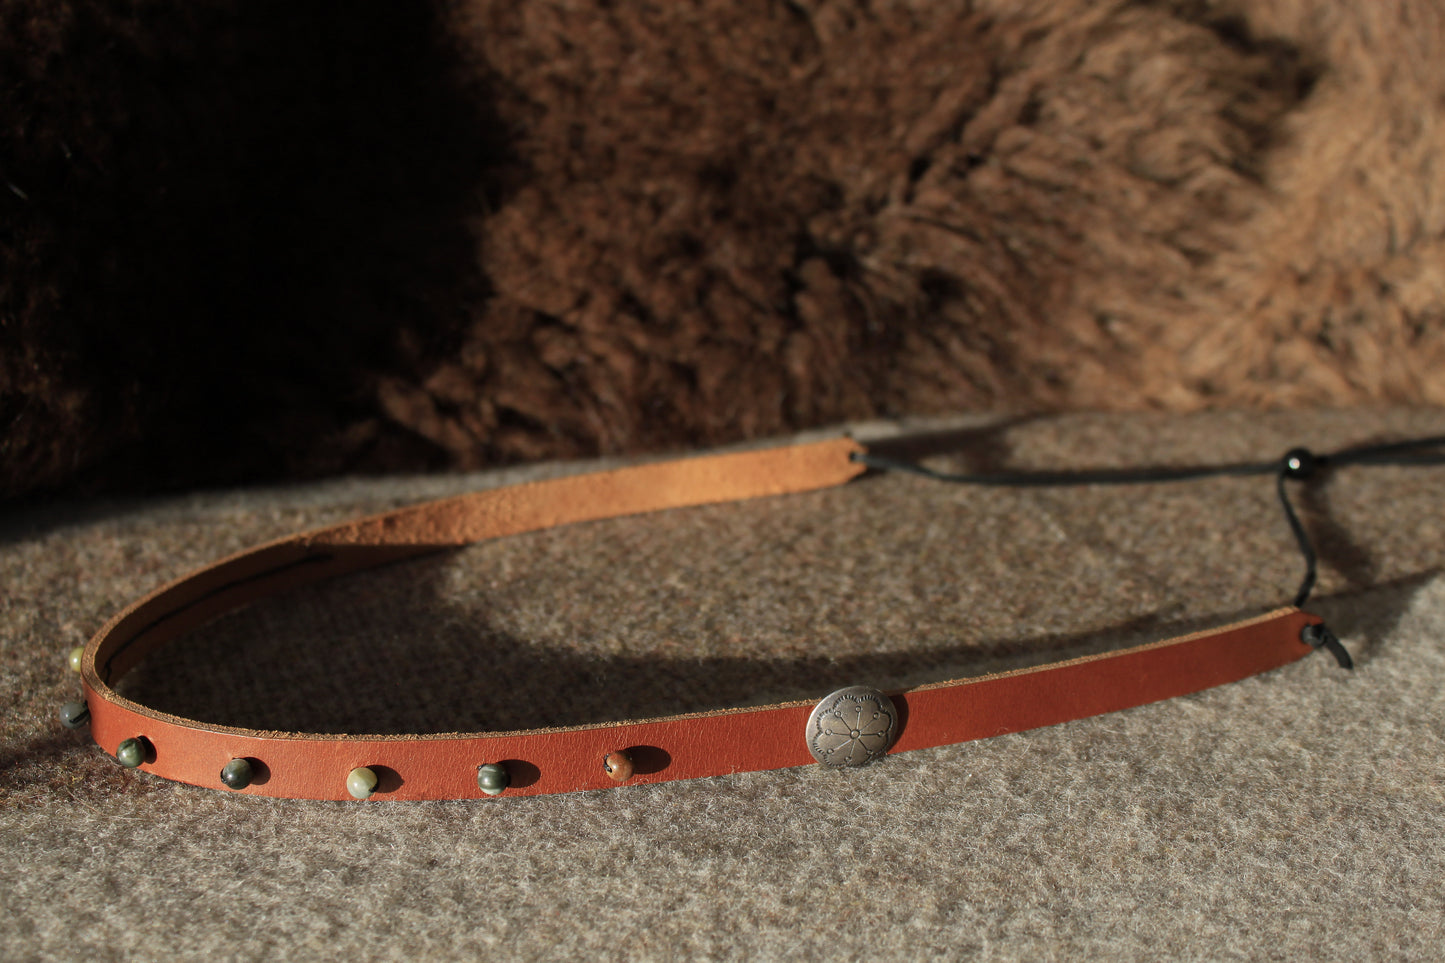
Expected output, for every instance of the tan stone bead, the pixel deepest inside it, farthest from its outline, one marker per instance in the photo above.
(361, 783)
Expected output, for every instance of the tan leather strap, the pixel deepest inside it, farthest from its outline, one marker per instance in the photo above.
(444, 766)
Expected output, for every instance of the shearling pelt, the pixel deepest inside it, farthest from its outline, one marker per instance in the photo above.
(245, 239)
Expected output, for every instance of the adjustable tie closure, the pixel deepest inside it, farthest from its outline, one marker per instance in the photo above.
(1296, 465)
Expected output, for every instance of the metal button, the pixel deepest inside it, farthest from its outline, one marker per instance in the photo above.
(852, 727)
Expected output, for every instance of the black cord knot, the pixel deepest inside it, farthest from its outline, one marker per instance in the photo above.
(1320, 637)
(1300, 463)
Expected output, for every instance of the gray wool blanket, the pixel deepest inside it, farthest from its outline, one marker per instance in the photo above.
(1295, 815)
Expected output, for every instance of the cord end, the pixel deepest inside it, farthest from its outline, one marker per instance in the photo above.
(1320, 637)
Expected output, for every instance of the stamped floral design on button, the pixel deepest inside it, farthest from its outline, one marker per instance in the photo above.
(852, 727)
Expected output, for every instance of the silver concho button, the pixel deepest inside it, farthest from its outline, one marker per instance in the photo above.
(852, 727)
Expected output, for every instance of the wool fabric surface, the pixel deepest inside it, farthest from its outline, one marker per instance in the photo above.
(1298, 815)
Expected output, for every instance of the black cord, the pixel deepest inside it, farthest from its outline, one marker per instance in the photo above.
(1085, 476)
(1411, 451)
(1301, 538)
(1298, 464)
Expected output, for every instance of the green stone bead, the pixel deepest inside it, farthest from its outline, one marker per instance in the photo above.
(73, 715)
(131, 753)
(75, 656)
(493, 778)
(237, 774)
(361, 783)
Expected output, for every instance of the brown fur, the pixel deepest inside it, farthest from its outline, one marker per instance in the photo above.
(255, 241)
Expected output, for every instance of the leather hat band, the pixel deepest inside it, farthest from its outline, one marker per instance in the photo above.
(855, 727)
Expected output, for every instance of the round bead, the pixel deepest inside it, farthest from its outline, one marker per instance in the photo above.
(618, 765)
(1300, 463)
(493, 778)
(76, 654)
(73, 715)
(361, 783)
(237, 774)
(131, 753)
